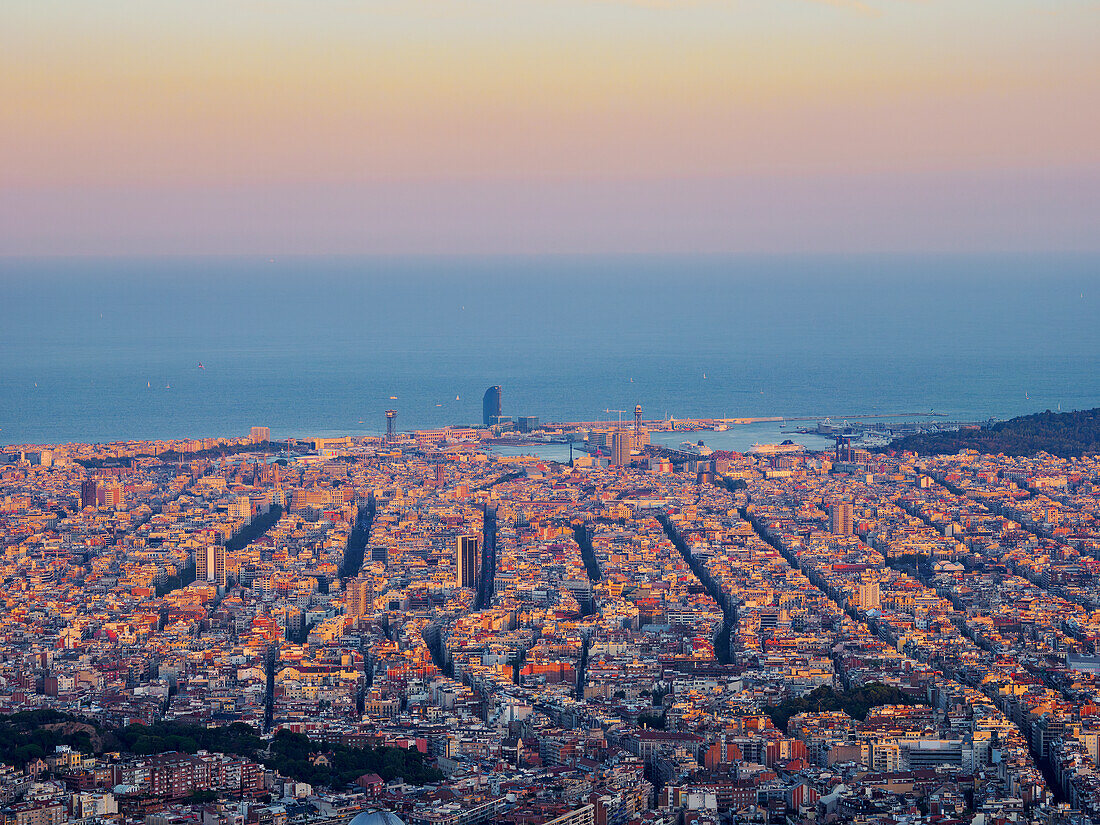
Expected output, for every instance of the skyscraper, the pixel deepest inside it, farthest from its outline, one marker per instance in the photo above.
(466, 561)
(491, 406)
(840, 519)
(620, 448)
(210, 564)
(258, 435)
(88, 490)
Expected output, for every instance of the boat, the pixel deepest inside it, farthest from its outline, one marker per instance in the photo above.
(721, 428)
(787, 446)
(872, 441)
(699, 449)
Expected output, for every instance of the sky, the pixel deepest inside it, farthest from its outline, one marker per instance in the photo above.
(267, 127)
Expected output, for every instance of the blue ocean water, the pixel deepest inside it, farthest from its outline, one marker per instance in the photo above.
(88, 348)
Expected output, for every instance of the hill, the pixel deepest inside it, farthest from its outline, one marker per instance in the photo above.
(1065, 434)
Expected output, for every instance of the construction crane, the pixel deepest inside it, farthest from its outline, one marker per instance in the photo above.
(620, 412)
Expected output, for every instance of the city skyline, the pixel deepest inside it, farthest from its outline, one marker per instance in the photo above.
(414, 629)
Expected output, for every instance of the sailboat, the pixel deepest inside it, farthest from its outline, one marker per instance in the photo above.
(168, 386)
(148, 385)
(456, 398)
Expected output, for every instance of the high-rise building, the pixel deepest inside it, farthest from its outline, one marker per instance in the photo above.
(491, 406)
(360, 594)
(293, 618)
(620, 448)
(868, 595)
(527, 423)
(599, 439)
(258, 435)
(114, 495)
(88, 489)
(466, 561)
(843, 447)
(210, 564)
(840, 519)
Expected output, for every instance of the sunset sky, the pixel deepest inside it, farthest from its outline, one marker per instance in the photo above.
(515, 126)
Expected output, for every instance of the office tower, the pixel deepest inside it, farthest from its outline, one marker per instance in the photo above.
(391, 425)
(620, 448)
(359, 596)
(599, 439)
(840, 519)
(491, 406)
(114, 495)
(210, 564)
(258, 435)
(88, 490)
(843, 447)
(527, 423)
(466, 561)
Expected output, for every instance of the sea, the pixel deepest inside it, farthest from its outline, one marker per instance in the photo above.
(98, 350)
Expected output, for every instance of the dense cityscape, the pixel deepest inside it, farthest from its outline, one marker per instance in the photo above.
(792, 515)
(412, 628)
